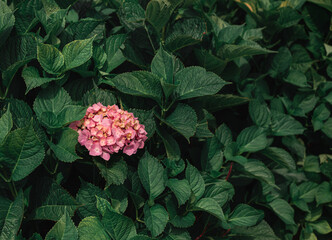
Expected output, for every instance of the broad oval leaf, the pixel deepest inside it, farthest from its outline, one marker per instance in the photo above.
(211, 206)
(252, 139)
(6, 124)
(196, 82)
(280, 156)
(283, 210)
(151, 174)
(195, 180)
(64, 229)
(245, 215)
(50, 58)
(181, 189)
(156, 218)
(91, 228)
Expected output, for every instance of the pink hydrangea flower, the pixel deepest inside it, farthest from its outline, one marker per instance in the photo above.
(106, 130)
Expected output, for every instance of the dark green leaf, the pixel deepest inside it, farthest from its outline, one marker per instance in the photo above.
(7, 21)
(281, 62)
(245, 216)
(50, 58)
(114, 173)
(91, 228)
(262, 231)
(114, 54)
(324, 193)
(297, 78)
(252, 139)
(103, 96)
(280, 156)
(211, 206)
(64, 229)
(195, 180)
(259, 113)
(151, 174)
(156, 218)
(6, 124)
(283, 210)
(285, 125)
(181, 189)
(183, 119)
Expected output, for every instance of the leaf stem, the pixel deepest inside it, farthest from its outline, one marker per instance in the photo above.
(229, 171)
(147, 31)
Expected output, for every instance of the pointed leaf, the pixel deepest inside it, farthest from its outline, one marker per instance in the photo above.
(6, 124)
(50, 58)
(64, 229)
(195, 180)
(156, 218)
(211, 206)
(91, 228)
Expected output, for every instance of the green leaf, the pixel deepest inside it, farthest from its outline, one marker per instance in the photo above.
(54, 108)
(155, 218)
(114, 173)
(171, 146)
(321, 113)
(139, 83)
(283, 210)
(85, 28)
(262, 231)
(103, 205)
(222, 192)
(224, 135)
(259, 113)
(181, 189)
(210, 206)
(118, 226)
(280, 62)
(158, 12)
(210, 62)
(174, 166)
(219, 101)
(258, 170)
(280, 156)
(285, 125)
(11, 215)
(151, 174)
(195, 180)
(6, 124)
(247, 48)
(7, 21)
(113, 51)
(91, 228)
(297, 78)
(147, 119)
(50, 58)
(251, 139)
(212, 155)
(84, 196)
(324, 193)
(179, 220)
(22, 152)
(32, 79)
(245, 216)
(131, 14)
(196, 82)
(322, 227)
(140, 237)
(183, 119)
(55, 202)
(96, 95)
(77, 52)
(323, 3)
(65, 148)
(64, 229)
(185, 32)
(327, 128)
(230, 33)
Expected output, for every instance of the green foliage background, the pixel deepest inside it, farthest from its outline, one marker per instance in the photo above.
(235, 96)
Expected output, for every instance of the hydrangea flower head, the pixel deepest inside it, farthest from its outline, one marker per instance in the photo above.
(107, 130)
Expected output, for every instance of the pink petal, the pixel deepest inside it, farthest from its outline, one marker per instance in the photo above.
(105, 156)
(95, 149)
(110, 140)
(103, 141)
(88, 144)
(130, 149)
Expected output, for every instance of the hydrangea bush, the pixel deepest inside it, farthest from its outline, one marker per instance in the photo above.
(165, 119)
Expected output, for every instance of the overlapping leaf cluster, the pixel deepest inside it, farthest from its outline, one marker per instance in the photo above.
(235, 97)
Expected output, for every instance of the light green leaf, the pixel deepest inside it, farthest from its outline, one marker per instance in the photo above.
(297, 78)
(211, 206)
(324, 193)
(262, 231)
(155, 218)
(322, 227)
(77, 52)
(248, 48)
(196, 82)
(245, 216)
(327, 128)
(280, 156)
(183, 119)
(283, 210)
(285, 125)
(7, 21)
(64, 229)
(222, 192)
(258, 170)
(22, 152)
(113, 51)
(114, 173)
(32, 79)
(11, 215)
(65, 148)
(158, 12)
(50, 58)
(181, 189)
(139, 83)
(118, 226)
(195, 180)
(6, 124)
(91, 228)
(259, 113)
(252, 139)
(151, 174)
